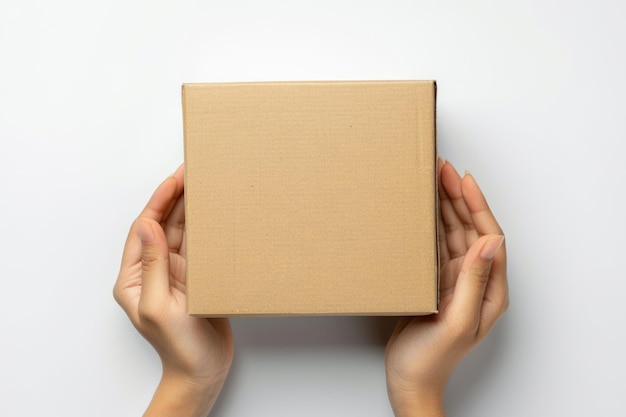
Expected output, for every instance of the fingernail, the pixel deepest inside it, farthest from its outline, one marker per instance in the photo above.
(468, 173)
(145, 231)
(489, 250)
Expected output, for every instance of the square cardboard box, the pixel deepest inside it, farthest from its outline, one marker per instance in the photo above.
(311, 198)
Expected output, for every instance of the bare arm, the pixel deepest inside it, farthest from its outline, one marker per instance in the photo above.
(196, 353)
(423, 351)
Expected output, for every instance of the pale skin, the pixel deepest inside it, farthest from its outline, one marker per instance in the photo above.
(196, 353)
(422, 352)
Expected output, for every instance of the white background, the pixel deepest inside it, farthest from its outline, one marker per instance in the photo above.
(531, 100)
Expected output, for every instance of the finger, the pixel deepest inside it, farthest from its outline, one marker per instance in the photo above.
(467, 301)
(132, 249)
(496, 299)
(440, 163)
(183, 245)
(449, 189)
(179, 176)
(462, 211)
(479, 210)
(444, 253)
(165, 196)
(154, 263)
(161, 201)
(155, 209)
(125, 293)
(175, 225)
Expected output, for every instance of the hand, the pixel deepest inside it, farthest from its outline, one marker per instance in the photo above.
(196, 353)
(423, 351)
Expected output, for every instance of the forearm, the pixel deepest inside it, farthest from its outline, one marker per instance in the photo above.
(181, 397)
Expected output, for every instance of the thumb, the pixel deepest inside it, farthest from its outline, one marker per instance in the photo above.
(154, 260)
(473, 279)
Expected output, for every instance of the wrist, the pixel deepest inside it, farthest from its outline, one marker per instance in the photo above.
(183, 396)
(420, 408)
(427, 402)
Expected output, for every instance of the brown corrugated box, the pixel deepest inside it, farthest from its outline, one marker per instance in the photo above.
(311, 198)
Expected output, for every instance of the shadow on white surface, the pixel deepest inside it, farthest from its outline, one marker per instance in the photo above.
(297, 355)
(293, 332)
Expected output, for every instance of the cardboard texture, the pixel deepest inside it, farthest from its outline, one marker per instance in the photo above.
(311, 198)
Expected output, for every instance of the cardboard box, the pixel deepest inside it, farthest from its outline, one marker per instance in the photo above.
(311, 198)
